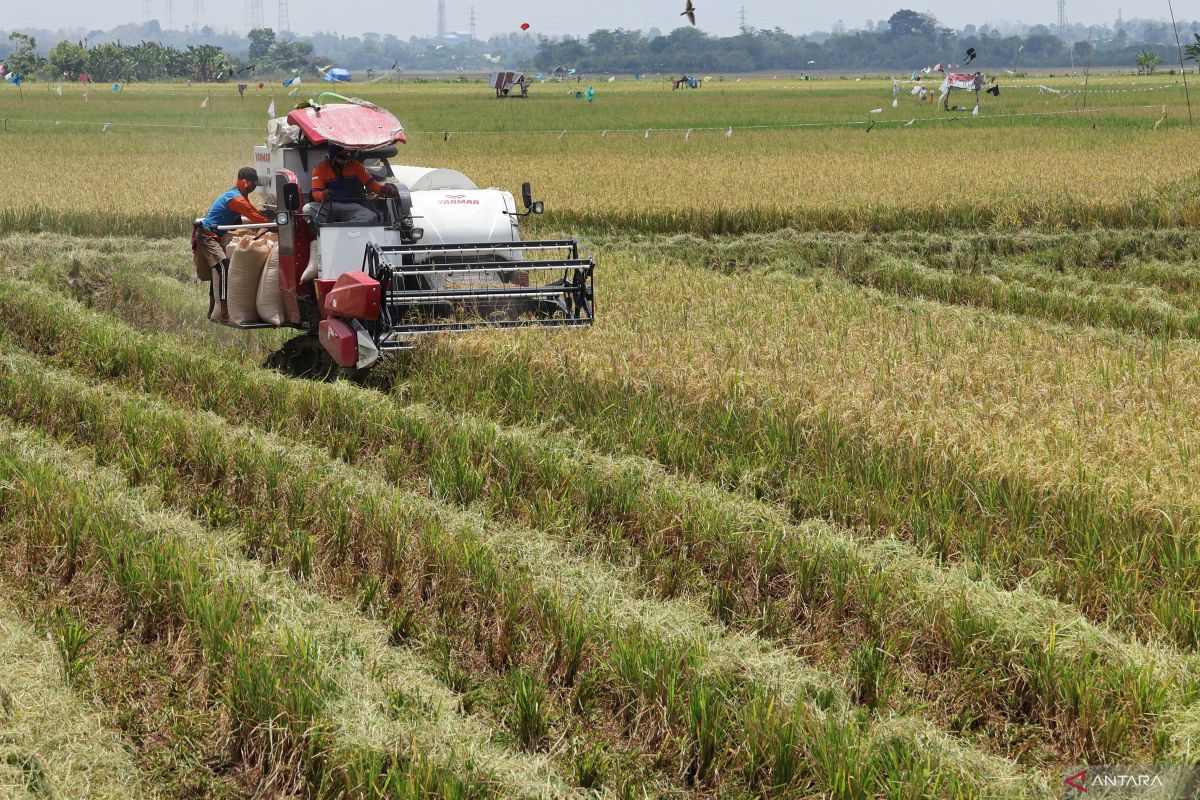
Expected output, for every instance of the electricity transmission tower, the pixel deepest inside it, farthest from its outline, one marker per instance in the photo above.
(285, 24)
(254, 14)
(1062, 19)
(441, 31)
(149, 10)
(472, 31)
(742, 26)
(197, 12)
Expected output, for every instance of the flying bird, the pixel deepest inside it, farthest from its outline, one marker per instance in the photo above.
(689, 12)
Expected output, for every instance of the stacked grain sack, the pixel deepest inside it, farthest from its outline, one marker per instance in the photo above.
(269, 300)
(270, 295)
(247, 257)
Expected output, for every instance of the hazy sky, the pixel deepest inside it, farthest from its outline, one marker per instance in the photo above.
(404, 18)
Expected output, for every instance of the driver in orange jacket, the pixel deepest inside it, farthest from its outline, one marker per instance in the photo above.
(337, 185)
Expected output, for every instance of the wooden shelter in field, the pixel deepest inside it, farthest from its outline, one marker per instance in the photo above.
(510, 84)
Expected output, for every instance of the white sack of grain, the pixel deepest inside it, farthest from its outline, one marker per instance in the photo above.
(314, 262)
(269, 301)
(247, 257)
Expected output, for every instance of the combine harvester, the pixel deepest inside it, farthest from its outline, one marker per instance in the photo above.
(446, 256)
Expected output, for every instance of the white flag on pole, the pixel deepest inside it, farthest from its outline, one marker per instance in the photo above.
(271, 109)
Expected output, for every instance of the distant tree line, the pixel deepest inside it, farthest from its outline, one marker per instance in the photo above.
(908, 40)
(171, 54)
(116, 62)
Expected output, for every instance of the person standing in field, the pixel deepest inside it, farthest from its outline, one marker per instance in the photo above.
(337, 185)
(208, 243)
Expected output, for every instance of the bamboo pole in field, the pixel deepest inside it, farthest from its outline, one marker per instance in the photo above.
(1087, 71)
(1182, 71)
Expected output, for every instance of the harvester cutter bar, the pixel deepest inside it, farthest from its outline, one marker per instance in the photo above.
(471, 325)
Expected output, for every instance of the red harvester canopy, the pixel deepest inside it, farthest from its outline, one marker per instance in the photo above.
(349, 125)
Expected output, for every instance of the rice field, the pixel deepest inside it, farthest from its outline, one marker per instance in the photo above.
(799, 155)
(873, 479)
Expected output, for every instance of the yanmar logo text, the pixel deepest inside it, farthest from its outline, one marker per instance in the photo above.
(457, 200)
